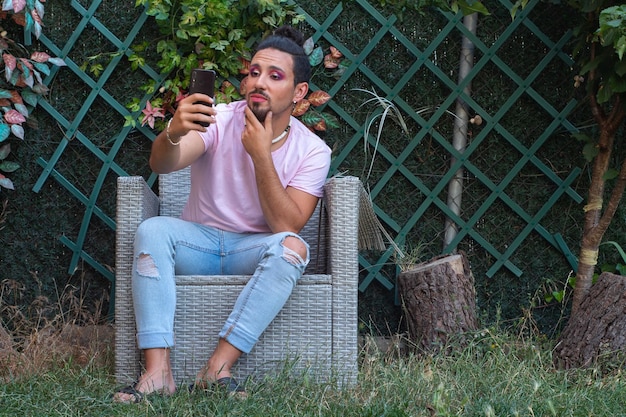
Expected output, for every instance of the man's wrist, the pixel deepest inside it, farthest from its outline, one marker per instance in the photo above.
(167, 134)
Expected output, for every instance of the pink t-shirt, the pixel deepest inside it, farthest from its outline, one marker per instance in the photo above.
(223, 187)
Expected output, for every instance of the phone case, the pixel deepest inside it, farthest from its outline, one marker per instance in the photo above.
(202, 81)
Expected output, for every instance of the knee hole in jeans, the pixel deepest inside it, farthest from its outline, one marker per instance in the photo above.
(294, 250)
(146, 266)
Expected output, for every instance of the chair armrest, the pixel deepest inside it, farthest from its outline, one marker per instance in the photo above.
(135, 203)
(341, 197)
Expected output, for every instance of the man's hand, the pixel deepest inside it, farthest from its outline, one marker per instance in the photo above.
(192, 110)
(257, 137)
(184, 144)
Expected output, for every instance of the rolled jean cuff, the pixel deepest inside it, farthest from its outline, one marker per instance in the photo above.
(241, 340)
(155, 340)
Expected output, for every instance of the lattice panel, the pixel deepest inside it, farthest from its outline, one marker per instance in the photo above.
(83, 138)
(513, 184)
(420, 76)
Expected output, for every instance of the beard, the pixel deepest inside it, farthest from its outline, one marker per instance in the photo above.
(259, 112)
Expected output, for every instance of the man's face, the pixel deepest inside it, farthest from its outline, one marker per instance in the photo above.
(270, 84)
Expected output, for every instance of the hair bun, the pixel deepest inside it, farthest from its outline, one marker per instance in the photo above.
(290, 33)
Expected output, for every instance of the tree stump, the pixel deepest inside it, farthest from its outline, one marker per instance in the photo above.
(598, 328)
(439, 300)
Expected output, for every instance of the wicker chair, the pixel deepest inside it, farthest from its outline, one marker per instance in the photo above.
(315, 332)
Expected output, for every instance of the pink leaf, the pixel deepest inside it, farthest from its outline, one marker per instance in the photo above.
(35, 14)
(319, 97)
(334, 52)
(25, 62)
(40, 57)
(150, 114)
(18, 5)
(14, 117)
(9, 61)
(330, 62)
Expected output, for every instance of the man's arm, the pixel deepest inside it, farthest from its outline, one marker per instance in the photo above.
(184, 145)
(284, 209)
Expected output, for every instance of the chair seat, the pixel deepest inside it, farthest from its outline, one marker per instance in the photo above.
(298, 339)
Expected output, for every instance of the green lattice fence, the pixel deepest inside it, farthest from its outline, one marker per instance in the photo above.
(517, 219)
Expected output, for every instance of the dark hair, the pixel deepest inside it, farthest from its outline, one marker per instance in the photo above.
(289, 40)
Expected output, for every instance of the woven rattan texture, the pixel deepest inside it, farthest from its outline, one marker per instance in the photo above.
(298, 339)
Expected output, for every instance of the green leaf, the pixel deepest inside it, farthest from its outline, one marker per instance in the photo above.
(591, 65)
(618, 84)
(620, 47)
(475, 7)
(59, 62)
(5, 131)
(620, 67)
(610, 174)
(18, 131)
(43, 68)
(129, 120)
(308, 46)
(5, 150)
(331, 121)
(618, 247)
(590, 151)
(604, 93)
(316, 57)
(96, 69)
(9, 166)
(6, 183)
(311, 118)
(581, 137)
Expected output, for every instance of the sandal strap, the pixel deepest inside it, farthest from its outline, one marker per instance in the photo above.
(132, 390)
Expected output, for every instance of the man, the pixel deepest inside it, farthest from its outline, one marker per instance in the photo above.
(256, 176)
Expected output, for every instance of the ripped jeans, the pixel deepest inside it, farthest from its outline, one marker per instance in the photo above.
(165, 246)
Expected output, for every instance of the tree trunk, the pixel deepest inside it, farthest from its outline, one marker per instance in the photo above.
(439, 300)
(599, 328)
(598, 216)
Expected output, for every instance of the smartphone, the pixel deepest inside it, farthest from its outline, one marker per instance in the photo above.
(202, 81)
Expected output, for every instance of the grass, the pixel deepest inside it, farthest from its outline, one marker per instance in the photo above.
(494, 375)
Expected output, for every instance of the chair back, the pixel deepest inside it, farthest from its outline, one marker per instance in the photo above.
(173, 192)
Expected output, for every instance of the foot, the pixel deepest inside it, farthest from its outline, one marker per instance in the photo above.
(155, 383)
(226, 384)
(216, 372)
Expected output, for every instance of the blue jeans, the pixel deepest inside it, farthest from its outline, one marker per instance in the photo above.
(165, 246)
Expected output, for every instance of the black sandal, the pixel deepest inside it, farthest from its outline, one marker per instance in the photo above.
(231, 385)
(227, 384)
(136, 396)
